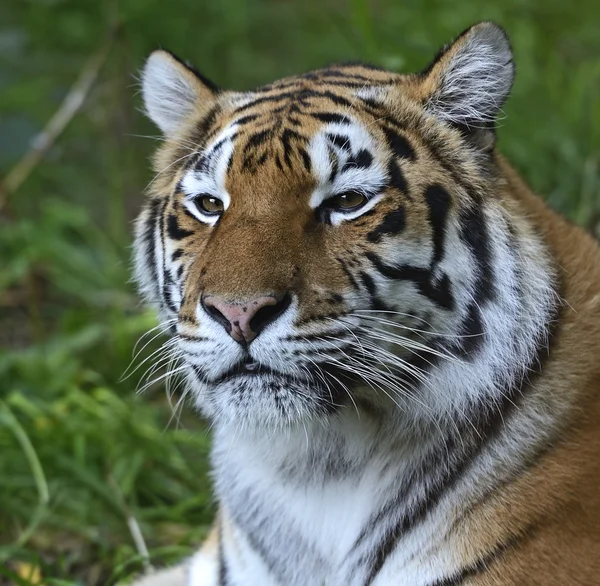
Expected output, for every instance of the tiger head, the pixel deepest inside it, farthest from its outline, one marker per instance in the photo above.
(340, 239)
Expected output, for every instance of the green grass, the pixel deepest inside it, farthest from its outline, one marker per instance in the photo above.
(81, 455)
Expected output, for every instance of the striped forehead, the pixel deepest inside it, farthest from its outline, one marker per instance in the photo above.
(209, 171)
(337, 152)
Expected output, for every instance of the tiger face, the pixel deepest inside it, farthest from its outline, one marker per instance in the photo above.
(331, 241)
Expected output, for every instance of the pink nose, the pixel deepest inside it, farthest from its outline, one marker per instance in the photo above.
(245, 320)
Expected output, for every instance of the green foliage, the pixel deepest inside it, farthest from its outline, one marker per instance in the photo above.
(83, 455)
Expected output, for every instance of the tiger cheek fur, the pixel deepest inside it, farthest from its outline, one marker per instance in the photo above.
(394, 340)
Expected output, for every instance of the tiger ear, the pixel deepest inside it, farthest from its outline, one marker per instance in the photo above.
(173, 91)
(469, 81)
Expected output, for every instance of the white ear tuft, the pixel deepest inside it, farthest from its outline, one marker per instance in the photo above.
(172, 91)
(473, 77)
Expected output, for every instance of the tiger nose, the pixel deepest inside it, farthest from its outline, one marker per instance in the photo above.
(244, 320)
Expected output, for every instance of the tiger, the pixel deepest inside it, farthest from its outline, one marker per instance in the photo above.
(394, 340)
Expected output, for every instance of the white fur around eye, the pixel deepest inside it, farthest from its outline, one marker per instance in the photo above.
(193, 208)
(337, 218)
(210, 181)
(369, 180)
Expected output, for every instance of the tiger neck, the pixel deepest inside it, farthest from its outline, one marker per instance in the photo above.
(390, 468)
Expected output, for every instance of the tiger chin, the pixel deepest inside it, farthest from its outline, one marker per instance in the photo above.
(395, 341)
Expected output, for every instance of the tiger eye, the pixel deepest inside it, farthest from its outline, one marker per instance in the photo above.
(348, 201)
(209, 204)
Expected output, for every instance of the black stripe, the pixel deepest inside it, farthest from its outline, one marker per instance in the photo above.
(201, 131)
(473, 232)
(396, 178)
(335, 298)
(371, 105)
(331, 117)
(288, 134)
(249, 163)
(362, 160)
(166, 290)
(336, 99)
(348, 273)
(286, 139)
(305, 158)
(398, 144)
(177, 254)
(393, 223)
(301, 95)
(186, 319)
(246, 119)
(471, 333)
(340, 82)
(174, 231)
(199, 374)
(482, 564)
(341, 141)
(219, 145)
(334, 164)
(369, 284)
(230, 163)
(202, 165)
(257, 139)
(191, 338)
(376, 302)
(168, 298)
(439, 471)
(438, 202)
(154, 206)
(439, 292)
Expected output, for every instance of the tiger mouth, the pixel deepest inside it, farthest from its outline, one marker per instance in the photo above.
(250, 368)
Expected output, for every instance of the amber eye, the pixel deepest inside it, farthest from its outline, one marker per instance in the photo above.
(209, 204)
(350, 200)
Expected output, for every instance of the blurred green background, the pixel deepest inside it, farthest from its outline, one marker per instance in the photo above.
(84, 461)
